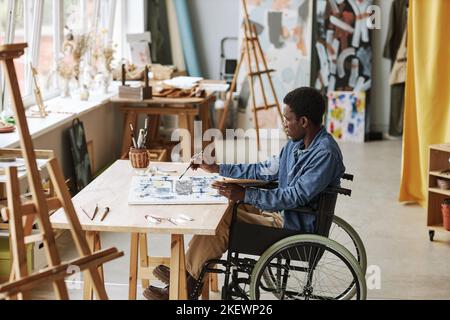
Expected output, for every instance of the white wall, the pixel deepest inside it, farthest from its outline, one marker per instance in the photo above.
(103, 126)
(381, 92)
(214, 19)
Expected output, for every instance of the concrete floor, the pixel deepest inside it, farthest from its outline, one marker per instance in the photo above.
(403, 263)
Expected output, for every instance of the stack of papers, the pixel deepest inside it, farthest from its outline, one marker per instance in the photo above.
(185, 83)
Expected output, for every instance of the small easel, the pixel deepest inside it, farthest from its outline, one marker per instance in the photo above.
(250, 51)
(39, 208)
(37, 94)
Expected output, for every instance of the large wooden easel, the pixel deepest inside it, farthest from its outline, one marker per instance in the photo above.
(252, 52)
(39, 208)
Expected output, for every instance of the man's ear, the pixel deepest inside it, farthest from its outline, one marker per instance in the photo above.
(304, 121)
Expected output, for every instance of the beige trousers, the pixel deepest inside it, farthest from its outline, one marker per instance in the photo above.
(204, 248)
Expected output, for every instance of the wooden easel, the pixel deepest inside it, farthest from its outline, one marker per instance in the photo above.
(37, 93)
(39, 208)
(250, 51)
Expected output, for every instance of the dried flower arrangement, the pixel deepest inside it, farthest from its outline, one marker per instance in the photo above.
(108, 56)
(73, 50)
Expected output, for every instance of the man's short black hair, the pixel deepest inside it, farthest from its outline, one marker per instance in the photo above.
(307, 102)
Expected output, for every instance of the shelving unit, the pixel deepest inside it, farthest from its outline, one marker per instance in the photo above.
(439, 157)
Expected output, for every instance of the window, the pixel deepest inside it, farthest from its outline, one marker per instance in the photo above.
(3, 20)
(46, 58)
(73, 17)
(3, 28)
(41, 24)
(19, 35)
(118, 32)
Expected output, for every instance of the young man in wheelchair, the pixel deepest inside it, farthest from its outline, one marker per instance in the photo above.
(309, 163)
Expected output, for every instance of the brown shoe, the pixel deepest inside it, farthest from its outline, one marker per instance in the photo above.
(162, 273)
(157, 294)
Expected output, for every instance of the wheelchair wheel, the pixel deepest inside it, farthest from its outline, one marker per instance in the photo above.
(307, 267)
(344, 234)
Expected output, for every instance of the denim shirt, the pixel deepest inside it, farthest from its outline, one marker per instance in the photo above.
(302, 175)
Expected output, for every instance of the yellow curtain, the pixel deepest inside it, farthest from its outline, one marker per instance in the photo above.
(427, 100)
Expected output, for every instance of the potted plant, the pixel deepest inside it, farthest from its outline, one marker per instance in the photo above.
(445, 208)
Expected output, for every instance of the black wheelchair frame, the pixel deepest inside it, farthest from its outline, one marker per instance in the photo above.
(246, 239)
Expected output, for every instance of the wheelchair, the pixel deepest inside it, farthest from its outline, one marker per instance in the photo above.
(265, 263)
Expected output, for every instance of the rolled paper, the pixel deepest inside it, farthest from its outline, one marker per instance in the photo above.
(354, 74)
(367, 85)
(363, 16)
(361, 29)
(365, 57)
(333, 57)
(359, 84)
(319, 83)
(324, 65)
(334, 7)
(357, 33)
(332, 84)
(341, 24)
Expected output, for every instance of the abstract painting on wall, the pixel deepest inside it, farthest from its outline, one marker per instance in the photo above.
(343, 45)
(284, 29)
(343, 51)
(346, 115)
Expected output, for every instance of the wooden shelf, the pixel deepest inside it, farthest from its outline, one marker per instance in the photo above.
(441, 147)
(439, 160)
(440, 191)
(438, 227)
(439, 174)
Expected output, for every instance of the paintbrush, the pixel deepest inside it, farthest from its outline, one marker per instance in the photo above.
(132, 137)
(191, 164)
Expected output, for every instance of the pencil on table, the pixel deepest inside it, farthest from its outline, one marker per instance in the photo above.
(105, 214)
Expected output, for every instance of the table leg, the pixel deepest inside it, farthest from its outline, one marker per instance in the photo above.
(88, 290)
(98, 247)
(205, 114)
(134, 253)
(205, 290)
(2, 192)
(178, 289)
(143, 253)
(153, 127)
(214, 282)
(130, 117)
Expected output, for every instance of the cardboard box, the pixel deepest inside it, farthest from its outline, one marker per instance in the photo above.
(135, 93)
(5, 258)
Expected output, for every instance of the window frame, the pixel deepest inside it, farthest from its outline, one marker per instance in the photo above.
(32, 24)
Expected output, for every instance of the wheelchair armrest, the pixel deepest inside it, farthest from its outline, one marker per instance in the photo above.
(338, 190)
(304, 210)
(268, 186)
(300, 209)
(348, 177)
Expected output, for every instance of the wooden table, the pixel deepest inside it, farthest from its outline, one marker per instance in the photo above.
(187, 109)
(110, 189)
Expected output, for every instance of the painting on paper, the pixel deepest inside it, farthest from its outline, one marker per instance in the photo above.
(140, 53)
(147, 190)
(284, 29)
(346, 115)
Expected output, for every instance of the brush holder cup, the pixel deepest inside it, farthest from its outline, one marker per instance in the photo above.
(139, 158)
